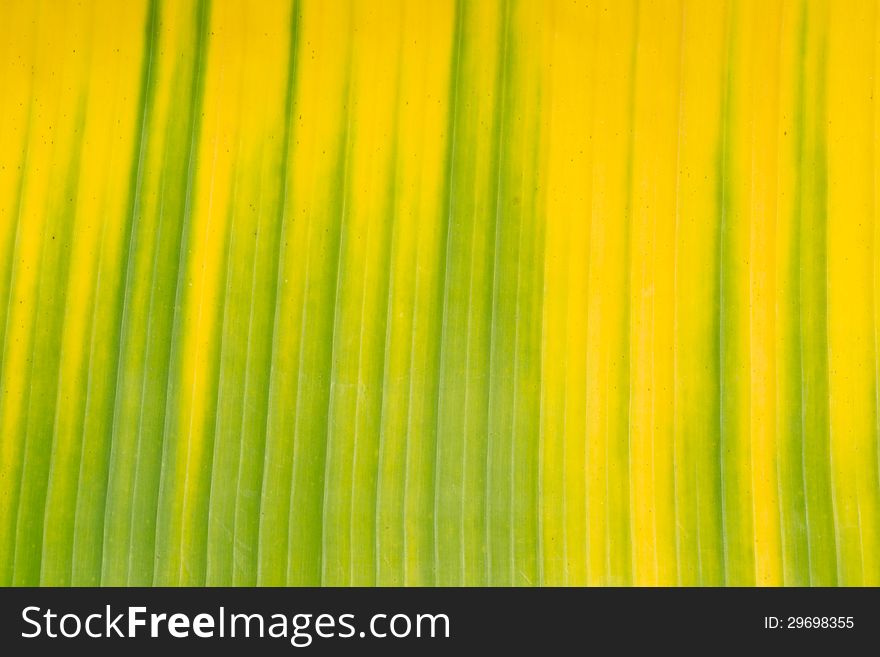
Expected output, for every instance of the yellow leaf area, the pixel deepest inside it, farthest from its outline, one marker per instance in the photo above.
(448, 292)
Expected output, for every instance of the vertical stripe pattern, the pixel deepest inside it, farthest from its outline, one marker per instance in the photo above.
(490, 292)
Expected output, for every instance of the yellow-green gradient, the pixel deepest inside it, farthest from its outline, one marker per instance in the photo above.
(439, 292)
